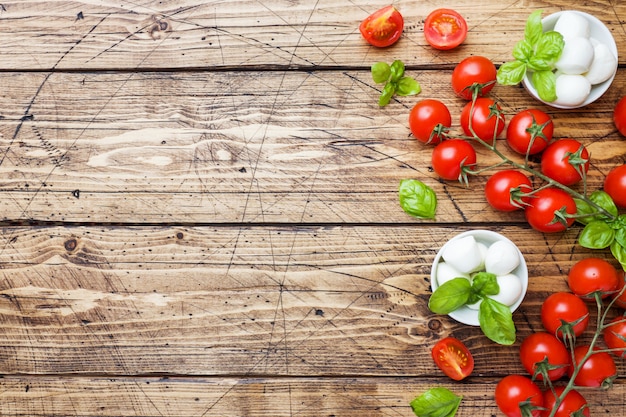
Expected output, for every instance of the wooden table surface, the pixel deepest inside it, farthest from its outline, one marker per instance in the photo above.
(200, 214)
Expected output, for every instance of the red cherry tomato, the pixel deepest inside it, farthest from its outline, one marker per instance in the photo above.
(383, 27)
(541, 346)
(591, 275)
(428, 119)
(615, 185)
(529, 131)
(573, 402)
(540, 214)
(615, 335)
(486, 120)
(453, 358)
(473, 70)
(445, 29)
(619, 116)
(515, 389)
(565, 161)
(504, 190)
(597, 371)
(451, 156)
(620, 294)
(565, 307)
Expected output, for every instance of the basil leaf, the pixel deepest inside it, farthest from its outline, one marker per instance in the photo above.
(584, 211)
(534, 28)
(549, 49)
(605, 201)
(496, 321)
(436, 402)
(388, 91)
(417, 199)
(397, 70)
(511, 73)
(485, 283)
(407, 86)
(619, 253)
(545, 84)
(620, 230)
(381, 71)
(596, 235)
(523, 51)
(450, 296)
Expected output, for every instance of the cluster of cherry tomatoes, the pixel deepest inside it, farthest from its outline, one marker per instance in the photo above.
(552, 354)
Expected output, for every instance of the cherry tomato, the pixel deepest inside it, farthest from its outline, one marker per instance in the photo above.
(619, 116)
(565, 161)
(529, 131)
(565, 307)
(597, 371)
(573, 401)
(515, 389)
(473, 70)
(487, 121)
(428, 120)
(620, 294)
(504, 190)
(541, 346)
(591, 275)
(615, 185)
(540, 214)
(445, 29)
(451, 156)
(453, 358)
(615, 335)
(383, 27)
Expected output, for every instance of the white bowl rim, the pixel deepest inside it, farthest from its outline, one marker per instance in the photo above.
(597, 90)
(465, 314)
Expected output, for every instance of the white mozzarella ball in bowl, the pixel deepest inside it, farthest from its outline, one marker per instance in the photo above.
(502, 257)
(576, 57)
(446, 272)
(510, 289)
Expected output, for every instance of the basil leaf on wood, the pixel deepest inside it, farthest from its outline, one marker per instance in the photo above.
(596, 235)
(436, 402)
(450, 296)
(496, 321)
(417, 199)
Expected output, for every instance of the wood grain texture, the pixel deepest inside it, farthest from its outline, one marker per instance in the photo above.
(303, 147)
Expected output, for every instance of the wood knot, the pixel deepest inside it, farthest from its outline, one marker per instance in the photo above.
(434, 325)
(71, 244)
(159, 26)
(179, 235)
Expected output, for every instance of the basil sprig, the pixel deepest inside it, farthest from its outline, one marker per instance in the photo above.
(395, 81)
(436, 402)
(495, 318)
(537, 52)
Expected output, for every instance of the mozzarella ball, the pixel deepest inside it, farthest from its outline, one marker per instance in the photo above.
(572, 90)
(463, 254)
(510, 289)
(482, 249)
(446, 272)
(502, 258)
(572, 25)
(603, 65)
(576, 57)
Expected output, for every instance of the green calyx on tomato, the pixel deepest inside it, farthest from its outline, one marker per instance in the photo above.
(537, 52)
(383, 27)
(395, 81)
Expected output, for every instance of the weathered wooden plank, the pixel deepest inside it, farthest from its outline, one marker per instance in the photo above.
(244, 301)
(84, 34)
(226, 397)
(241, 147)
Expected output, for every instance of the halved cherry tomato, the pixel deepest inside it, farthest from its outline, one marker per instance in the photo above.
(445, 29)
(453, 358)
(383, 27)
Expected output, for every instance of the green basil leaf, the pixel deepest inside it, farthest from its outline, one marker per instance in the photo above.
(511, 73)
(620, 230)
(596, 235)
(381, 71)
(536, 63)
(450, 296)
(523, 51)
(417, 199)
(605, 201)
(549, 49)
(436, 402)
(534, 28)
(619, 253)
(407, 86)
(388, 91)
(397, 70)
(584, 211)
(545, 84)
(496, 321)
(485, 283)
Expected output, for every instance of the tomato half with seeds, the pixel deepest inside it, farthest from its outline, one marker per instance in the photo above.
(505, 190)
(453, 358)
(428, 120)
(572, 403)
(445, 29)
(383, 27)
(541, 214)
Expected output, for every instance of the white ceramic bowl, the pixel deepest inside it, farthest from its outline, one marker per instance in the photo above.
(465, 314)
(598, 31)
